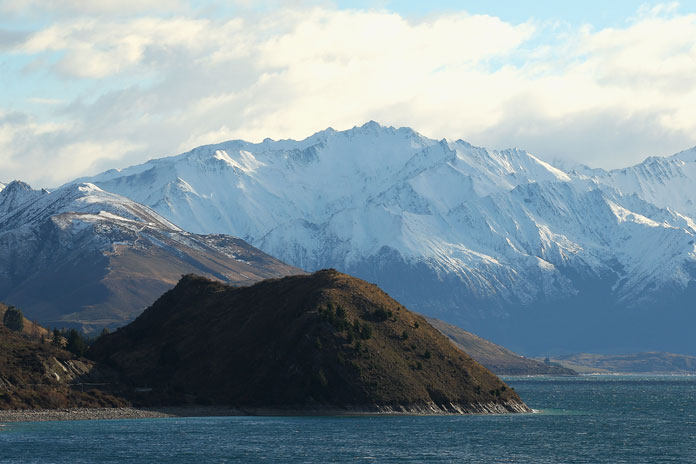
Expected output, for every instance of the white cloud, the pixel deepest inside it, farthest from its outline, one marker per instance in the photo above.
(81, 7)
(96, 49)
(648, 10)
(45, 153)
(46, 101)
(602, 97)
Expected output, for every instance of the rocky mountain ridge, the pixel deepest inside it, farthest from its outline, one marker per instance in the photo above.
(500, 243)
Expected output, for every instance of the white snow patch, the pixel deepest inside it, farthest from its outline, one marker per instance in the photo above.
(624, 215)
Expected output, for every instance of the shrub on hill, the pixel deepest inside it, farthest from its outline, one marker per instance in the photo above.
(77, 343)
(13, 319)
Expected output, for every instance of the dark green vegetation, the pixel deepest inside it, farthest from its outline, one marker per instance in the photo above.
(72, 340)
(496, 358)
(322, 341)
(636, 363)
(13, 319)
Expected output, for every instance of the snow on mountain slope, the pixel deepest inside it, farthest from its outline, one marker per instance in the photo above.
(83, 256)
(665, 182)
(466, 234)
(15, 194)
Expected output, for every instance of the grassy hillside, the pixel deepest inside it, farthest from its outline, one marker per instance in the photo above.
(325, 340)
(496, 358)
(31, 329)
(41, 375)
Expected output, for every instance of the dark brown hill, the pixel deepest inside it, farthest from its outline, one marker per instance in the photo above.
(494, 357)
(41, 375)
(324, 341)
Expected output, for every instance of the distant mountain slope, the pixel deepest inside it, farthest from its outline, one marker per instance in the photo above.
(325, 341)
(498, 242)
(499, 360)
(664, 182)
(636, 363)
(82, 256)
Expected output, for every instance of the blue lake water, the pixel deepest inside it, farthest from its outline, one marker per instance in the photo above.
(597, 419)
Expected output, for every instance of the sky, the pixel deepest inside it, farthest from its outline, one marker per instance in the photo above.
(90, 86)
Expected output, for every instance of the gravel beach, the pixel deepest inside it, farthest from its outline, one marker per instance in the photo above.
(41, 415)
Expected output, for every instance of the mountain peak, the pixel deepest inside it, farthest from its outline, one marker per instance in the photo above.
(374, 126)
(15, 194)
(86, 188)
(18, 186)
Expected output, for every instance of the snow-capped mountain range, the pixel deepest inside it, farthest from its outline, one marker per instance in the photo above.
(83, 256)
(498, 242)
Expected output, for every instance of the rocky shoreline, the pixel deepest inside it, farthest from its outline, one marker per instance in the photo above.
(73, 414)
(70, 414)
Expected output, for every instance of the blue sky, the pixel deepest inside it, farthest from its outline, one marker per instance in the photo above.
(92, 86)
(597, 13)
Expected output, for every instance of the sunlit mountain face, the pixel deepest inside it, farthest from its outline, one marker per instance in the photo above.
(499, 242)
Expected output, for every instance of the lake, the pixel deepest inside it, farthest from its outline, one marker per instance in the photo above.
(590, 419)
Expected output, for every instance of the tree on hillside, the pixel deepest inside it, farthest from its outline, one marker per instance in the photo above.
(57, 337)
(76, 342)
(13, 319)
